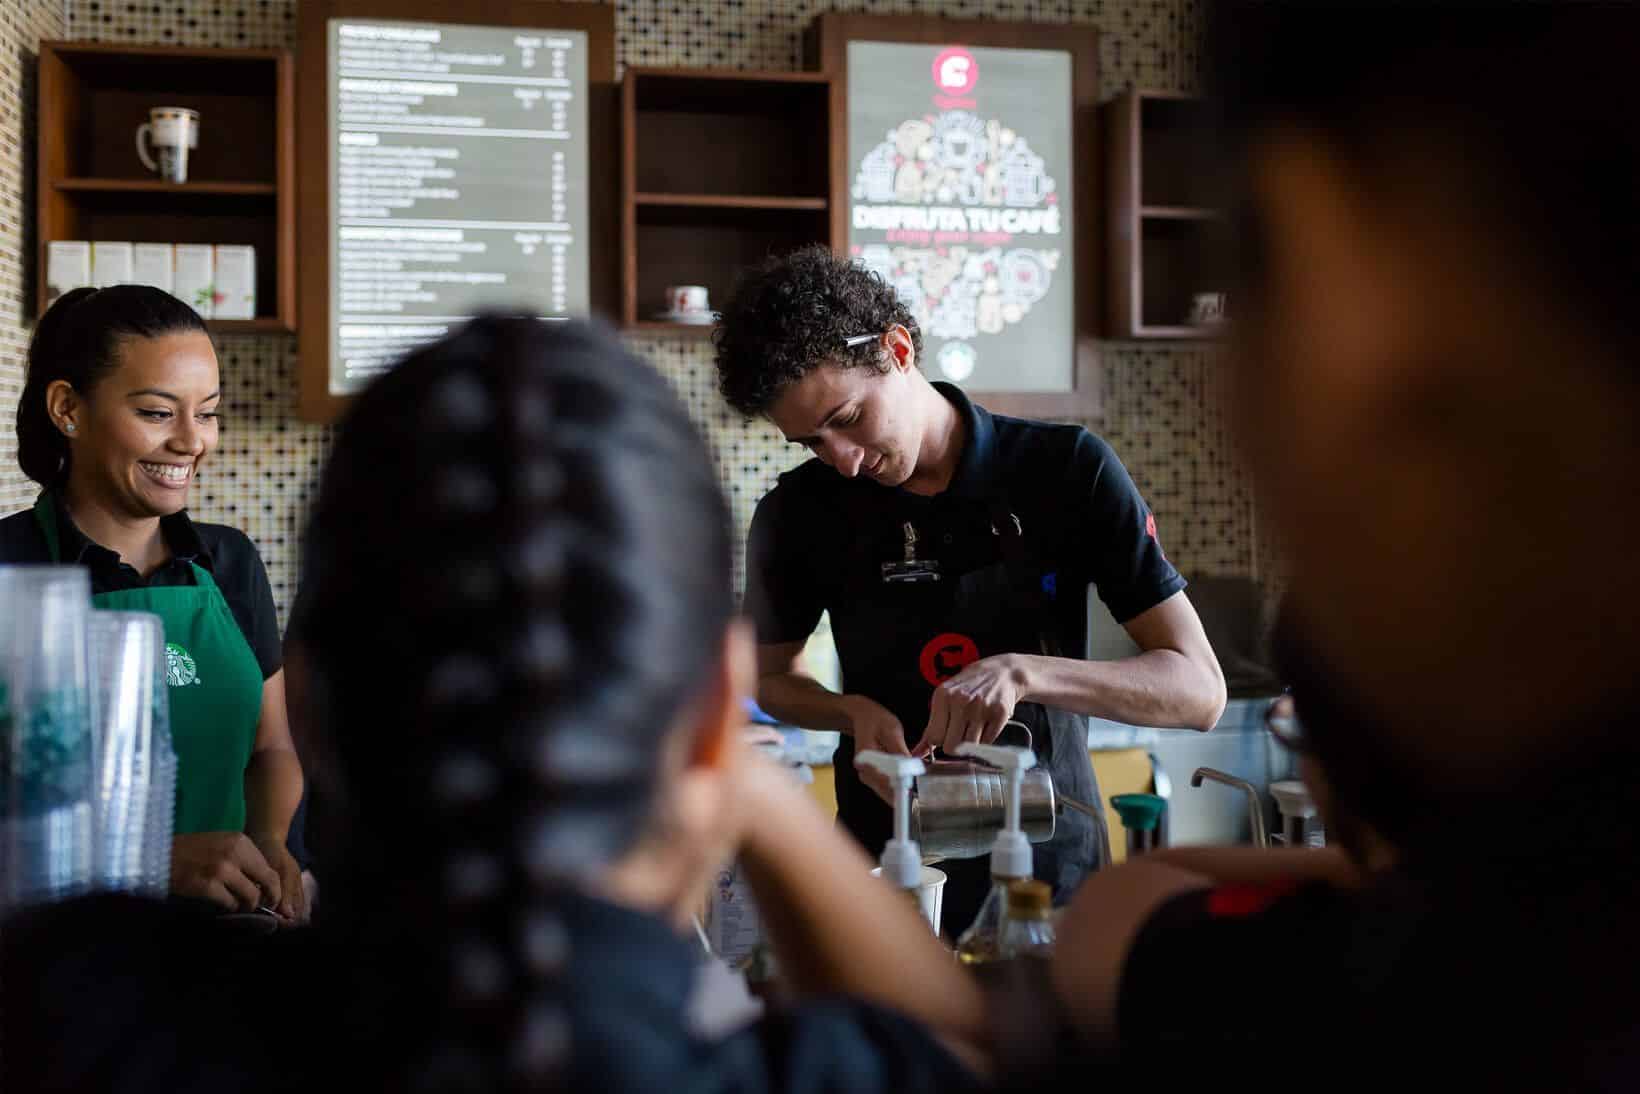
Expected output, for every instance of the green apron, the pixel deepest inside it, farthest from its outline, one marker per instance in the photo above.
(215, 686)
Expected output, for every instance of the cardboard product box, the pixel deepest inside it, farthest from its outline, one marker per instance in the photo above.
(68, 267)
(235, 282)
(154, 265)
(111, 264)
(194, 277)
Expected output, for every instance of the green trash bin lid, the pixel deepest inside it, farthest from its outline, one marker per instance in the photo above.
(1140, 812)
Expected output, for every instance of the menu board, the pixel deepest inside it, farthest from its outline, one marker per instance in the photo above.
(458, 183)
(960, 196)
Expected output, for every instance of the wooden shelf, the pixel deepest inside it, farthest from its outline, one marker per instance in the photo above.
(262, 324)
(1179, 333)
(1163, 235)
(670, 330)
(720, 169)
(731, 201)
(1179, 212)
(155, 186)
(90, 185)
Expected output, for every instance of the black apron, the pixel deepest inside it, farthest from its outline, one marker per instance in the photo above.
(896, 640)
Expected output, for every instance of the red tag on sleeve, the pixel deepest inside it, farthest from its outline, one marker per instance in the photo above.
(1245, 899)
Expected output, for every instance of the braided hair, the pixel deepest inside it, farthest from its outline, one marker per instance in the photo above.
(515, 566)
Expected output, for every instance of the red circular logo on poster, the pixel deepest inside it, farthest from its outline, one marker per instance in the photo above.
(945, 656)
(955, 71)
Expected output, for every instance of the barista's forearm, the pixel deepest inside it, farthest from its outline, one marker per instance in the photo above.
(1161, 688)
(837, 929)
(273, 789)
(804, 701)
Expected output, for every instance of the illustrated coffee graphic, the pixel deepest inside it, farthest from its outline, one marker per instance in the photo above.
(961, 200)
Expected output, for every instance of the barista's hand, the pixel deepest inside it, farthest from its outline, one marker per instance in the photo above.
(875, 727)
(973, 705)
(225, 868)
(292, 901)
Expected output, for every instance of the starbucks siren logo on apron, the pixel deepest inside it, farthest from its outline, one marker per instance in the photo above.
(180, 670)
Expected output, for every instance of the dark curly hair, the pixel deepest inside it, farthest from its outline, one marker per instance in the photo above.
(78, 340)
(791, 314)
(516, 560)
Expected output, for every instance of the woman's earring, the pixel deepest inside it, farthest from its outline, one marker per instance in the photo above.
(68, 427)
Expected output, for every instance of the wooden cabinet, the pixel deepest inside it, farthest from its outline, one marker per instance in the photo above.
(1163, 234)
(90, 184)
(720, 169)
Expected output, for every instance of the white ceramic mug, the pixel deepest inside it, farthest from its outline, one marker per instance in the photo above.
(173, 131)
(1207, 308)
(687, 300)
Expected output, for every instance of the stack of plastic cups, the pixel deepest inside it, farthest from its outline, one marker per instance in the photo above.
(135, 766)
(46, 733)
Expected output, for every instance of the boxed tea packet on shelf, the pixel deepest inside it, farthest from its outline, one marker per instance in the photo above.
(195, 277)
(235, 282)
(110, 264)
(68, 266)
(153, 265)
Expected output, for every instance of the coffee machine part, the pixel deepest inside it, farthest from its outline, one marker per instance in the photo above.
(901, 859)
(1142, 821)
(1255, 804)
(1300, 820)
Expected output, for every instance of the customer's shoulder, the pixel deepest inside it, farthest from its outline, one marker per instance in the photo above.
(21, 539)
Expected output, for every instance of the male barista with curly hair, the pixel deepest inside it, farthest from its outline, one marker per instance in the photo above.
(953, 549)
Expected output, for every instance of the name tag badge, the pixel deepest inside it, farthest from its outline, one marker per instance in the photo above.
(911, 572)
(911, 569)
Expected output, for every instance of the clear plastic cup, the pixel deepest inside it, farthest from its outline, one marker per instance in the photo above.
(45, 726)
(135, 766)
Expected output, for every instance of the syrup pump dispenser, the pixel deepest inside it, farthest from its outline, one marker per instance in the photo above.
(901, 859)
(1010, 855)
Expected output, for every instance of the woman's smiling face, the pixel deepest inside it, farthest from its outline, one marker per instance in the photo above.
(142, 432)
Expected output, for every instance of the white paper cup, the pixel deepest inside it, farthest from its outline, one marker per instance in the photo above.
(930, 893)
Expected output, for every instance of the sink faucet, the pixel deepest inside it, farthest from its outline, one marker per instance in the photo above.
(1255, 808)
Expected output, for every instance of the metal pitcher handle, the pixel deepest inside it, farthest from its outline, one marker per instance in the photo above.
(1030, 742)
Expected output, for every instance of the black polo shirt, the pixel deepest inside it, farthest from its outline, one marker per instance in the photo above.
(226, 553)
(1061, 480)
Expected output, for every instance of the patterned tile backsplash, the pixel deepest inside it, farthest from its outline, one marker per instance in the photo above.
(22, 24)
(1161, 404)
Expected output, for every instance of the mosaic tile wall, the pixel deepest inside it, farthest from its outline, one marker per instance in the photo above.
(22, 24)
(1160, 409)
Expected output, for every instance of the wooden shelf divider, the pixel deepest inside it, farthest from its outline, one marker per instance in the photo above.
(154, 186)
(1179, 212)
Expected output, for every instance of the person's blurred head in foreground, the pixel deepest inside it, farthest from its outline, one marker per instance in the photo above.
(1437, 368)
(1307, 720)
(519, 652)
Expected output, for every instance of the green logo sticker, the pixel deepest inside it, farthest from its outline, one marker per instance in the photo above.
(180, 670)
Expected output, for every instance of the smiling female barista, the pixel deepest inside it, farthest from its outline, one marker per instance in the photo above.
(118, 413)
(953, 549)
